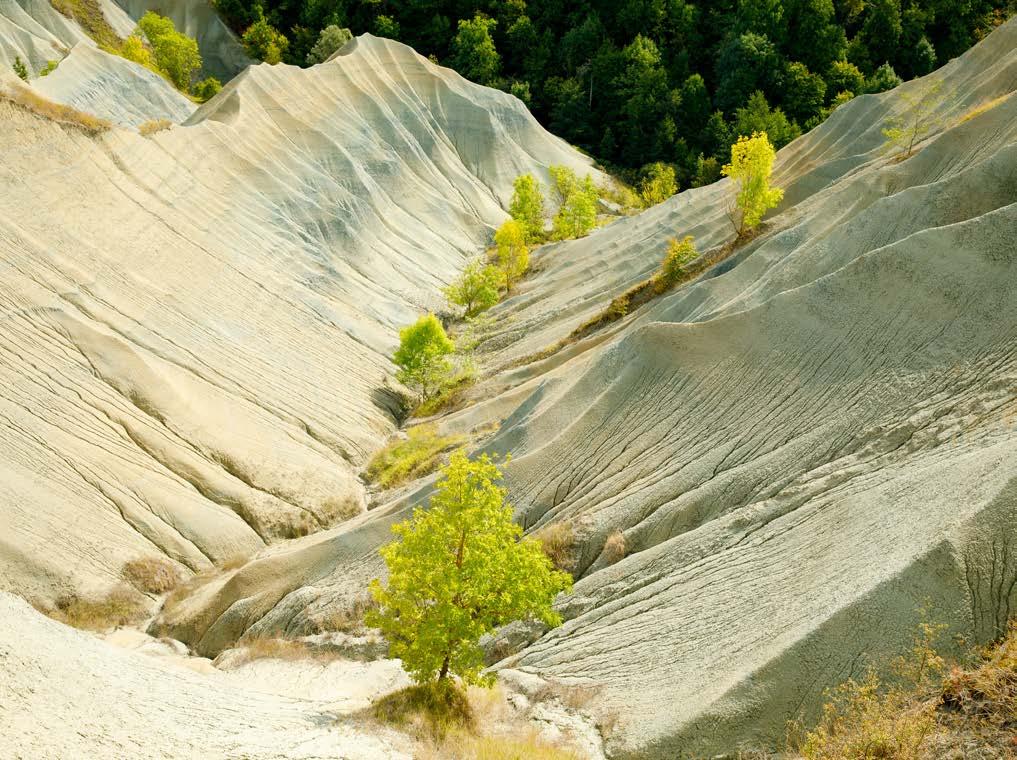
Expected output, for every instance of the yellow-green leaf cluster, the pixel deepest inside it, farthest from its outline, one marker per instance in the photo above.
(422, 356)
(476, 288)
(457, 571)
(527, 206)
(659, 184)
(578, 212)
(513, 253)
(751, 165)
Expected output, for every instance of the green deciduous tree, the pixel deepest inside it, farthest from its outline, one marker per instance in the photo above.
(422, 356)
(844, 77)
(917, 120)
(174, 53)
(476, 289)
(746, 63)
(457, 571)
(658, 183)
(513, 253)
(20, 68)
(804, 92)
(332, 38)
(679, 254)
(206, 89)
(473, 52)
(264, 42)
(527, 206)
(884, 78)
(751, 164)
(578, 213)
(757, 116)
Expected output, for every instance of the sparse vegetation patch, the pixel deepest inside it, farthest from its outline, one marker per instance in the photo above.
(417, 455)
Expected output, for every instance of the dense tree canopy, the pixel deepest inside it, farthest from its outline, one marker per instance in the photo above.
(635, 82)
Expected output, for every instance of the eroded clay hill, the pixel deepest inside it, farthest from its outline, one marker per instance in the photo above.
(802, 447)
(196, 325)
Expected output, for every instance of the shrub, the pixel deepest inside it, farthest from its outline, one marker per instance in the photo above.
(121, 606)
(20, 68)
(457, 571)
(884, 78)
(658, 184)
(151, 575)
(707, 171)
(679, 254)
(49, 68)
(751, 165)
(918, 120)
(264, 42)
(578, 214)
(422, 355)
(152, 126)
(476, 289)
(513, 253)
(558, 541)
(206, 89)
(332, 38)
(416, 456)
(527, 207)
(618, 308)
(563, 182)
(615, 547)
(858, 722)
(133, 49)
(172, 52)
(438, 707)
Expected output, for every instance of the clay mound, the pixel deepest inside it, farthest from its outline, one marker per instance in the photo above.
(113, 88)
(801, 448)
(67, 694)
(198, 323)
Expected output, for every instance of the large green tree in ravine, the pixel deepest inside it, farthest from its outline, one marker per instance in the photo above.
(636, 82)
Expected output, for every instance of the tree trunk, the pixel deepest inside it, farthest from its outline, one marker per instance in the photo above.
(444, 669)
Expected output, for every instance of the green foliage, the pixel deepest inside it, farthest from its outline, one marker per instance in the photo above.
(473, 51)
(49, 68)
(679, 254)
(441, 706)
(643, 81)
(885, 78)
(513, 253)
(563, 182)
(844, 77)
(751, 164)
(658, 184)
(476, 289)
(757, 116)
(707, 171)
(422, 356)
(527, 207)
(918, 119)
(20, 68)
(89, 15)
(174, 53)
(206, 89)
(386, 26)
(457, 571)
(577, 215)
(416, 456)
(133, 49)
(264, 42)
(332, 38)
(804, 92)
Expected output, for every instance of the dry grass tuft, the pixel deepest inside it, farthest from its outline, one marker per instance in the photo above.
(615, 547)
(88, 13)
(35, 103)
(405, 460)
(430, 710)
(151, 575)
(196, 581)
(347, 619)
(983, 107)
(120, 607)
(558, 541)
(152, 126)
(289, 650)
(573, 696)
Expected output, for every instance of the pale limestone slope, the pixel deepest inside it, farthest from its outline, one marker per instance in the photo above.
(801, 447)
(197, 324)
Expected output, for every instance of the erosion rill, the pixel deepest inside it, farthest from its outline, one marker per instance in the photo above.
(768, 472)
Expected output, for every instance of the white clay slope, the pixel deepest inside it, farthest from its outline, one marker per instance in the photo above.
(801, 448)
(196, 325)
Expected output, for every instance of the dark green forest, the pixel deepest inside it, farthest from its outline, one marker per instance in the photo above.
(639, 81)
